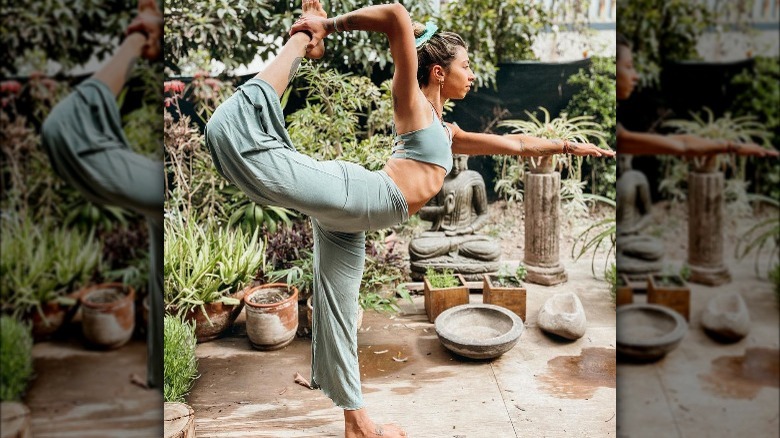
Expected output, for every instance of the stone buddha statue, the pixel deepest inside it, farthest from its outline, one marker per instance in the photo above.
(457, 212)
(638, 254)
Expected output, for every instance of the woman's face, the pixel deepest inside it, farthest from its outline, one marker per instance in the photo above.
(459, 77)
(626, 74)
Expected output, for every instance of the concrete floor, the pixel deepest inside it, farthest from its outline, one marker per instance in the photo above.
(83, 393)
(542, 387)
(704, 388)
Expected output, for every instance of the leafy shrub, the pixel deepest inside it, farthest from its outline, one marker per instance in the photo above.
(597, 98)
(16, 366)
(181, 365)
(204, 262)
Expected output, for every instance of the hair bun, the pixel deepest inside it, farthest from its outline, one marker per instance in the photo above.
(418, 28)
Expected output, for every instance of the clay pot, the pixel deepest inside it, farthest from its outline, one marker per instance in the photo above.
(271, 326)
(108, 315)
(220, 317)
(179, 420)
(55, 316)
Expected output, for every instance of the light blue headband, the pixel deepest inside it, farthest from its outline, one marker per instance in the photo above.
(430, 29)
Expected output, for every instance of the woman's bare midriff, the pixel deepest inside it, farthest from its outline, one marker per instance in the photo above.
(418, 181)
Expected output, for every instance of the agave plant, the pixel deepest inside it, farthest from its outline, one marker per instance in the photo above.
(581, 129)
(42, 262)
(205, 262)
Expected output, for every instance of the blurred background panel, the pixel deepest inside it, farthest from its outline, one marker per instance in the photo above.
(75, 280)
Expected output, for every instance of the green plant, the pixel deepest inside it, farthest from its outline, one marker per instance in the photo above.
(597, 98)
(179, 361)
(383, 303)
(605, 229)
(743, 129)
(204, 262)
(662, 31)
(495, 31)
(300, 274)
(507, 278)
(763, 233)
(54, 29)
(41, 262)
(441, 279)
(16, 367)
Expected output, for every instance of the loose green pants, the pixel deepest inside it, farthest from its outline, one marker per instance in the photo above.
(87, 147)
(252, 149)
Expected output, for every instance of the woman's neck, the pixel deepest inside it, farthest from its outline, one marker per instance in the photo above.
(433, 95)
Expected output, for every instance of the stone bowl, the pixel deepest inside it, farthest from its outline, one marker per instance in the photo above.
(647, 332)
(479, 331)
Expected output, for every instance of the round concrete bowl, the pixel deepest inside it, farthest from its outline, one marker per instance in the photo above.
(647, 332)
(479, 331)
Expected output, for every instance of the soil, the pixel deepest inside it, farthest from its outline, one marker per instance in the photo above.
(270, 296)
(102, 296)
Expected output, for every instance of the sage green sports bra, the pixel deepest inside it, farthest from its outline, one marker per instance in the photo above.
(429, 145)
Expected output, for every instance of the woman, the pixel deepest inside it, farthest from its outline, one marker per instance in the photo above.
(652, 144)
(251, 147)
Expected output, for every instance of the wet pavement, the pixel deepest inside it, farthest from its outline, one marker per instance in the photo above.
(542, 387)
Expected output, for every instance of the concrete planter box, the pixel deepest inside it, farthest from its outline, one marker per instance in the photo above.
(439, 300)
(670, 291)
(508, 297)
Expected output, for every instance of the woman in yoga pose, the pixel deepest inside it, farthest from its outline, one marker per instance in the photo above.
(251, 148)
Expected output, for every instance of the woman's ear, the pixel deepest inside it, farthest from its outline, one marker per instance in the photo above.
(437, 73)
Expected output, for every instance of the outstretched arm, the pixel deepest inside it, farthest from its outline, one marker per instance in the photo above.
(641, 143)
(471, 143)
(143, 40)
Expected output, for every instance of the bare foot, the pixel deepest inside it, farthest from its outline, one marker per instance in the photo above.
(358, 425)
(314, 7)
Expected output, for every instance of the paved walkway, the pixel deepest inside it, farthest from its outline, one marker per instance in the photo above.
(542, 387)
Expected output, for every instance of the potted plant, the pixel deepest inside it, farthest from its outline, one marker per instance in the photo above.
(16, 370)
(108, 314)
(41, 268)
(205, 269)
(300, 276)
(669, 290)
(443, 290)
(181, 369)
(580, 129)
(271, 315)
(506, 289)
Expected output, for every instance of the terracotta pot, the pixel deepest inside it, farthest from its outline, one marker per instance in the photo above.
(220, 317)
(271, 326)
(108, 315)
(55, 316)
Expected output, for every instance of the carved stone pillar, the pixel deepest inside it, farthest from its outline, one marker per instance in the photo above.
(542, 227)
(705, 229)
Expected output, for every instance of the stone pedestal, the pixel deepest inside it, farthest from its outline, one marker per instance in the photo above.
(542, 227)
(705, 229)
